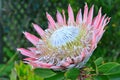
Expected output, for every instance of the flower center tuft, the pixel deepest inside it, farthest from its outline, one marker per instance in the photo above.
(64, 35)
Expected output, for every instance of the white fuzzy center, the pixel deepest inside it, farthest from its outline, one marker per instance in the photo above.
(64, 35)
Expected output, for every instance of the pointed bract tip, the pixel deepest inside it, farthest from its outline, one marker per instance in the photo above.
(109, 18)
(100, 9)
(18, 49)
(93, 6)
(63, 11)
(33, 24)
(47, 13)
(69, 5)
(86, 4)
(58, 12)
(24, 32)
(104, 15)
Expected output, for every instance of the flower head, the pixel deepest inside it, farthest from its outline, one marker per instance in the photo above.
(65, 44)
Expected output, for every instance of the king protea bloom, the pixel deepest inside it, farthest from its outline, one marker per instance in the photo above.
(65, 43)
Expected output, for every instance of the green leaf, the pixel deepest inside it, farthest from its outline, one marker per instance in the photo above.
(105, 68)
(58, 76)
(114, 77)
(72, 73)
(4, 79)
(100, 77)
(114, 70)
(45, 73)
(8, 52)
(6, 69)
(22, 69)
(25, 72)
(98, 61)
(13, 75)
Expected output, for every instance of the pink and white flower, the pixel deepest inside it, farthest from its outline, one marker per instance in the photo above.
(65, 43)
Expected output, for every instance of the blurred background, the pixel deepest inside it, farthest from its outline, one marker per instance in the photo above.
(17, 16)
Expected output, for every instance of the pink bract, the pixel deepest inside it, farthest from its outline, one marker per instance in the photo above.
(65, 44)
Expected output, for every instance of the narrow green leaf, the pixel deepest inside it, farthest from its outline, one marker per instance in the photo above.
(45, 73)
(72, 73)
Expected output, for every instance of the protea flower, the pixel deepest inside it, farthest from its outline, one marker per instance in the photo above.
(65, 44)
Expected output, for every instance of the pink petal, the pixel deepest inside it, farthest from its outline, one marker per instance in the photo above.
(94, 42)
(106, 21)
(97, 20)
(79, 17)
(77, 59)
(100, 34)
(100, 27)
(45, 64)
(40, 64)
(99, 17)
(30, 59)
(32, 49)
(59, 18)
(64, 18)
(85, 13)
(50, 19)
(65, 64)
(49, 25)
(69, 60)
(33, 39)
(38, 29)
(82, 55)
(34, 65)
(56, 67)
(26, 52)
(101, 22)
(90, 15)
(86, 52)
(93, 39)
(94, 19)
(70, 15)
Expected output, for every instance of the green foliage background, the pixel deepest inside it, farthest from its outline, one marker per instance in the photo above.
(16, 16)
